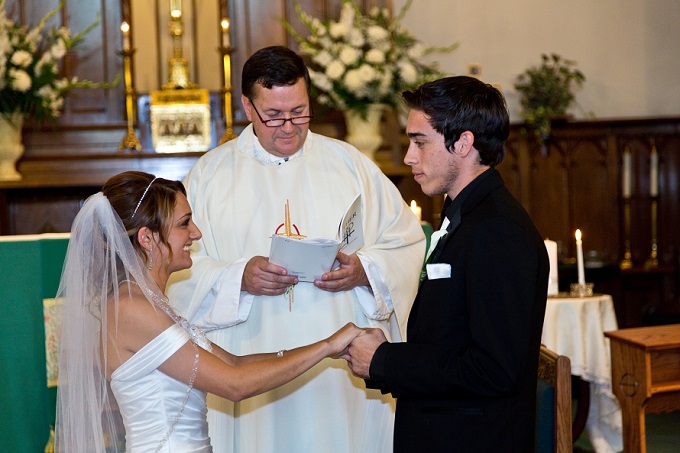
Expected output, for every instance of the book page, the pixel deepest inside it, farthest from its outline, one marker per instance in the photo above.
(307, 259)
(350, 231)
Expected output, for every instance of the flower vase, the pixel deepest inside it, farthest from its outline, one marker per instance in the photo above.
(11, 147)
(365, 133)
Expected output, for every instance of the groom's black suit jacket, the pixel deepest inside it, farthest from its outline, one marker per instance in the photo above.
(465, 379)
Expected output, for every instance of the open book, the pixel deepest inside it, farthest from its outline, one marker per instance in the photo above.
(308, 259)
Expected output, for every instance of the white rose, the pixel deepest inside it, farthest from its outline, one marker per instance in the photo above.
(349, 55)
(407, 72)
(335, 70)
(338, 30)
(326, 42)
(58, 49)
(4, 43)
(376, 33)
(20, 80)
(353, 81)
(347, 14)
(61, 84)
(356, 38)
(33, 38)
(21, 58)
(375, 56)
(366, 72)
(323, 58)
(47, 92)
(320, 80)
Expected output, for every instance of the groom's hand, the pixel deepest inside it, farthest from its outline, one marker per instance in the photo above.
(361, 351)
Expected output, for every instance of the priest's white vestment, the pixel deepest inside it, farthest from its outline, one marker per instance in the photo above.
(237, 193)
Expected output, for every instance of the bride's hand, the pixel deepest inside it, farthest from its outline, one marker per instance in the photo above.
(341, 339)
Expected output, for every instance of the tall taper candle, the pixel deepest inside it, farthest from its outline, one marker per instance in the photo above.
(579, 258)
(417, 210)
(654, 173)
(125, 29)
(553, 287)
(627, 173)
(226, 42)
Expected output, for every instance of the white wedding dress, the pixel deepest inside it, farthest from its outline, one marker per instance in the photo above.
(152, 403)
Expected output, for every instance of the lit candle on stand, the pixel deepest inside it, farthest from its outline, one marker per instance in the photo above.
(176, 8)
(226, 42)
(579, 258)
(125, 29)
(654, 173)
(627, 171)
(417, 210)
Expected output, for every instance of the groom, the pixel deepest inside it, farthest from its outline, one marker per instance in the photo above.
(465, 379)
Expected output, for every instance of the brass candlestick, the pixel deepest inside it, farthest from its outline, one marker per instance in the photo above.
(653, 260)
(626, 262)
(130, 140)
(178, 66)
(226, 91)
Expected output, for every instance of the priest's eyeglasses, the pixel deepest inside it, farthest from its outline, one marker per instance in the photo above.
(278, 122)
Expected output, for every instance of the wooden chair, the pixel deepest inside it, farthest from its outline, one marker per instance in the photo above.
(553, 403)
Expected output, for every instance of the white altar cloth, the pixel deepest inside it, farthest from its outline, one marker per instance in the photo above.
(574, 327)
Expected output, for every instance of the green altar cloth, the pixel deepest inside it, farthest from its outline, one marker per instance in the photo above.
(30, 269)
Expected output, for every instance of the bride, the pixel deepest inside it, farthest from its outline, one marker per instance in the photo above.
(132, 373)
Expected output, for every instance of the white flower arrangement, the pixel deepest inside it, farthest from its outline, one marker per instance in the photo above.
(363, 59)
(30, 83)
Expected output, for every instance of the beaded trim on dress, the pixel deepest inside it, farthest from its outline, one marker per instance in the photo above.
(198, 338)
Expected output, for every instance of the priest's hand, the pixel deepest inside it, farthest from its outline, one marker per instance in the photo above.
(362, 349)
(349, 275)
(262, 278)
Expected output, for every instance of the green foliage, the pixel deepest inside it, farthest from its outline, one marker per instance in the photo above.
(547, 91)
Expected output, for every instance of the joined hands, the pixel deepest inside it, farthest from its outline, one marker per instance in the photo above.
(361, 351)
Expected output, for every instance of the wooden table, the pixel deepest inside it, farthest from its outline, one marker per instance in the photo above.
(645, 377)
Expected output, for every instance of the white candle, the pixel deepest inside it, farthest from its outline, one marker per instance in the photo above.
(654, 173)
(551, 246)
(627, 171)
(176, 8)
(125, 29)
(417, 210)
(579, 258)
(225, 33)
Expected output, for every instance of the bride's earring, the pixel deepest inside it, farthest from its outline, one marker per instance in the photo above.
(150, 264)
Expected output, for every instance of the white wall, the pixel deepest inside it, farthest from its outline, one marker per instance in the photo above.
(629, 50)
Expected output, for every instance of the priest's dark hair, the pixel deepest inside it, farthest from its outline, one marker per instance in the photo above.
(461, 103)
(273, 66)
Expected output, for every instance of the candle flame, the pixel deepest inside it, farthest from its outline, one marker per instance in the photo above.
(578, 235)
(225, 24)
(124, 27)
(413, 204)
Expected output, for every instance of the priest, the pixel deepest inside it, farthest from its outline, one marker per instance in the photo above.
(238, 192)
